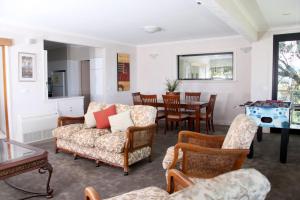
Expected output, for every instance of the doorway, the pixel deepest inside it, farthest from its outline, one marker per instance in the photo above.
(85, 83)
(286, 72)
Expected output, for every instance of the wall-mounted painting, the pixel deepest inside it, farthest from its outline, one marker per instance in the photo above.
(123, 78)
(27, 67)
(209, 66)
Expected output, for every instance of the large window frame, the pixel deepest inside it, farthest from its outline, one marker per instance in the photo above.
(276, 40)
(206, 54)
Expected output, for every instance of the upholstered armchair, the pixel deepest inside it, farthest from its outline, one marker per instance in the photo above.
(241, 184)
(205, 156)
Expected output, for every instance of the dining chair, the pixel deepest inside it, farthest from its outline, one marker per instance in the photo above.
(136, 97)
(191, 97)
(173, 111)
(173, 93)
(151, 100)
(208, 116)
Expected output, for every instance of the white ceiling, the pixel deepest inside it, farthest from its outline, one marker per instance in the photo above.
(118, 20)
(123, 20)
(275, 12)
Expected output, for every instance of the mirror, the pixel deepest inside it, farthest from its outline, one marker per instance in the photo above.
(210, 66)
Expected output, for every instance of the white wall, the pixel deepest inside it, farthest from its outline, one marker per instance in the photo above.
(154, 70)
(262, 64)
(28, 98)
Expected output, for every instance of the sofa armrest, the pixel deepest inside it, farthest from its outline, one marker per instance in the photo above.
(201, 159)
(91, 194)
(204, 140)
(139, 137)
(177, 181)
(64, 120)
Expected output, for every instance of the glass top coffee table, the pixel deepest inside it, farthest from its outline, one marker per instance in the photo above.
(17, 158)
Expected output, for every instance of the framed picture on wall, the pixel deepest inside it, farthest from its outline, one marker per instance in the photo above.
(27, 67)
(123, 79)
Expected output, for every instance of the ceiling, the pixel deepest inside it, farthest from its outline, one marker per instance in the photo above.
(118, 20)
(280, 13)
(123, 20)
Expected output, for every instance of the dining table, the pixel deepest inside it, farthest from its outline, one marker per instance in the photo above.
(196, 105)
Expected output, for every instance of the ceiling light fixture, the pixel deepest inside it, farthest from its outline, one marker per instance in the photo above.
(152, 29)
(286, 14)
(198, 2)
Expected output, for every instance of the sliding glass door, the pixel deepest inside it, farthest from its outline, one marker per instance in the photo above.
(286, 76)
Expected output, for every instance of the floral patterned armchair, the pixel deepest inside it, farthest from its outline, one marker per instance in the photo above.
(240, 184)
(206, 156)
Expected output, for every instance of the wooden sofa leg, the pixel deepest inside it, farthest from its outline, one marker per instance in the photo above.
(55, 150)
(97, 163)
(75, 156)
(150, 158)
(55, 147)
(125, 171)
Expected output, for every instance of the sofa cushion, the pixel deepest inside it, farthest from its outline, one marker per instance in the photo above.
(142, 115)
(122, 108)
(87, 137)
(65, 132)
(113, 142)
(89, 120)
(240, 184)
(169, 157)
(120, 122)
(101, 117)
(106, 156)
(241, 133)
(148, 193)
(94, 106)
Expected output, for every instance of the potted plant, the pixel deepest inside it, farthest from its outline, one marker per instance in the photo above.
(172, 85)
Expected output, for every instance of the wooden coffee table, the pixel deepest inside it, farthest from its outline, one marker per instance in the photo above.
(17, 158)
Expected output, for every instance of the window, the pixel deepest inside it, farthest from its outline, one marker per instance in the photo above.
(212, 66)
(286, 64)
(286, 71)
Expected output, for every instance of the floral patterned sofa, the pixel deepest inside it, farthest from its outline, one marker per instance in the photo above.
(238, 185)
(120, 149)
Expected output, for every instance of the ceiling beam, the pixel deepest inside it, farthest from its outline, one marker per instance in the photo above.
(237, 15)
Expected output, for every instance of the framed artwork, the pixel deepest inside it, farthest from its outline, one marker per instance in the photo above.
(27, 67)
(208, 66)
(123, 79)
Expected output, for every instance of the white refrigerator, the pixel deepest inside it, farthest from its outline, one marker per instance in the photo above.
(58, 83)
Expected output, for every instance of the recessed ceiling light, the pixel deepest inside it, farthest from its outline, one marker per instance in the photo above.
(286, 14)
(152, 29)
(198, 2)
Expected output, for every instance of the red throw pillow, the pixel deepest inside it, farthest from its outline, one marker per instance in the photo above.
(101, 117)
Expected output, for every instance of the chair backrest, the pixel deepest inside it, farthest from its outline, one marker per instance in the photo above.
(136, 97)
(191, 97)
(149, 100)
(173, 93)
(172, 104)
(211, 104)
(241, 133)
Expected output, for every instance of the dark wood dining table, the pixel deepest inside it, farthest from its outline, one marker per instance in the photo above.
(197, 105)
